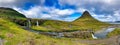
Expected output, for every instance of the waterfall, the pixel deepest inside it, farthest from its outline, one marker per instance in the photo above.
(37, 23)
(29, 23)
(94, 37)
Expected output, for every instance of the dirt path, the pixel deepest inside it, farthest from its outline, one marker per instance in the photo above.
(108, 41)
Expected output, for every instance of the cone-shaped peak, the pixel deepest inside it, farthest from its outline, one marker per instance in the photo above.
(86, 14)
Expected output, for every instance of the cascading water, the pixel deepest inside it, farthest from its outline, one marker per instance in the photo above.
(29, 23)
(37, 23)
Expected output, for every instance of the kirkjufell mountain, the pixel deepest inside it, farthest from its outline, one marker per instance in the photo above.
(86, 20)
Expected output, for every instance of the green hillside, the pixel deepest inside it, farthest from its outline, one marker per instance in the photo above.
(114, 33)
(12, 34)
(53, 25)
(10, 13)
(86, 21)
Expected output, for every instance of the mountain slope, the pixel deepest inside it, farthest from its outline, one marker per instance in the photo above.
(10, 13)
(87, 21)
(85, 16)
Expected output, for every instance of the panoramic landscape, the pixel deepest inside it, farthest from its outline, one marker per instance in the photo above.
(59, 22)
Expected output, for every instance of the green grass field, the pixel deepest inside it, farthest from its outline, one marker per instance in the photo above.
(15, 35)
(86, 21)
(114, 33)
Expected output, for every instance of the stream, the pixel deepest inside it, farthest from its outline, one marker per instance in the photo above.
(78, 34)
(102, 33)
(73, 34)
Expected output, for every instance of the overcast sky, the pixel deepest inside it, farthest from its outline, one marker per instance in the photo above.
(66, 10)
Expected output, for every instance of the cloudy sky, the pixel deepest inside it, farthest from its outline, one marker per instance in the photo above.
(66, 10)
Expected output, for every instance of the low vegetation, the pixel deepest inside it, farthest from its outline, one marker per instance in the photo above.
(85, 22)
(15, 35)
(114, 33)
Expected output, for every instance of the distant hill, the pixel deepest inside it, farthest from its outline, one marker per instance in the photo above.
(87, 21)
(85, 16)
(10, 13)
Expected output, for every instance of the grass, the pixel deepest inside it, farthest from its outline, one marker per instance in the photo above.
(54, 25)
(86, 21)
(15, 35)
(40, 28)
(10, 13)
(114, 33)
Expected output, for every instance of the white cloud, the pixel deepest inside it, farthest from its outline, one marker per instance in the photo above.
(62, 12)
(97, 7)
(7, 1)
(109, 9)
(117, 15)
(32, 13)
(52, 13)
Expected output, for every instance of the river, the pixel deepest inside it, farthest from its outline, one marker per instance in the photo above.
(102, 33)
